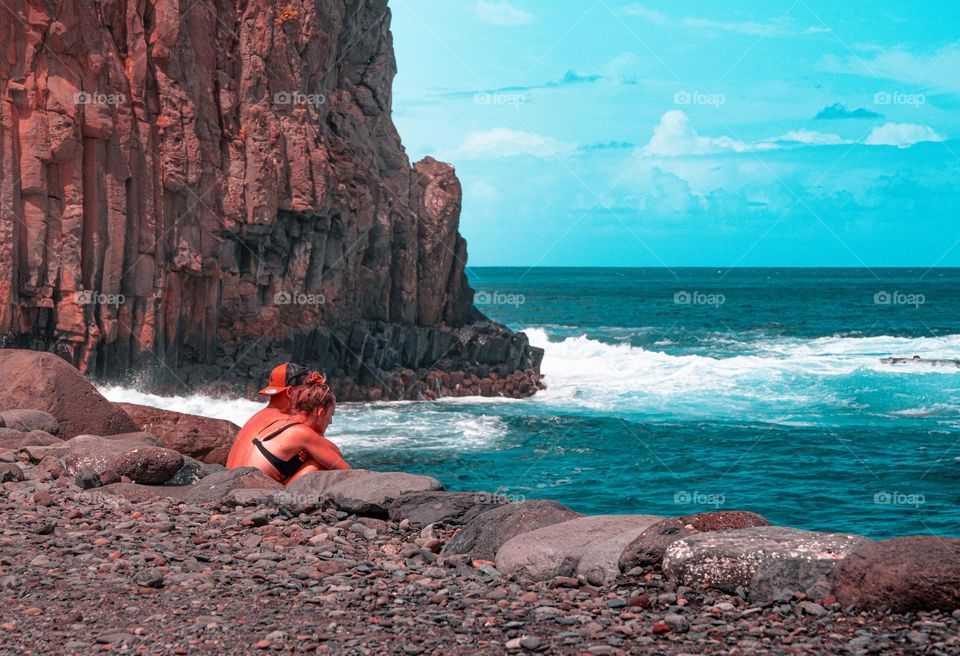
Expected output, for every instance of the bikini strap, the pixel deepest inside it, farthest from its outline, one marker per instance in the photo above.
(280, 430)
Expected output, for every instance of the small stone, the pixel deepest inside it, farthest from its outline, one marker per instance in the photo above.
(264, 644)
(530, 642)
(87, 478)
(676, 622)
(10, 474)
(811, 608)
(616, 602)
(661, 627)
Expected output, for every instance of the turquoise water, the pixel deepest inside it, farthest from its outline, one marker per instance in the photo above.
(672, 392)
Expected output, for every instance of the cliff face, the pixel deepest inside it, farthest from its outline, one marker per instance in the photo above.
(193, 191)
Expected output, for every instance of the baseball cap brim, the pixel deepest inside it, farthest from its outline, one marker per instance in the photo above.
(271, 390)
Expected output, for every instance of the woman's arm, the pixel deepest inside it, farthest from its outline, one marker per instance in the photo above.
(324, 452)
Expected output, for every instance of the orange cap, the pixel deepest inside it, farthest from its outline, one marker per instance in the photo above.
(283, 377)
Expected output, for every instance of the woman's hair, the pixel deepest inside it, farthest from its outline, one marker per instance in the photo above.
(314, 394)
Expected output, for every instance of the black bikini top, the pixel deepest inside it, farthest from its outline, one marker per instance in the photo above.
(287, 468)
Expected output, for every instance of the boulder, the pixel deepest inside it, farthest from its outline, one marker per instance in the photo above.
(30, 420)
(907, 574)
(456, 508)
(310, 492)
(99, 453)
(482, 537)
(372, 495)
(215, 487)
(14, 439)
(764, 560)
(133, 492)
(149, 465)
(649, 547)
(202, 438)
(10, 473)
(42, 381)
(556, 550)
(191, 472)
(252, 497)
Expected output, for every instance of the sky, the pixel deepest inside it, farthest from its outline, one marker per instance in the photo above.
(690, 133)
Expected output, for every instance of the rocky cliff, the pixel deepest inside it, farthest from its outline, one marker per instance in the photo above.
(191, 192)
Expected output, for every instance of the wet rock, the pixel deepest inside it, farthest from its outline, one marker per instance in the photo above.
(455, 508)
(201, 438)
(556, 550)
(148, 465)
(762, 560)
(30, 420)
(483, 536)
(191, 472)
(87, 478)
(906, 574)
(42, 381)
(649, 547)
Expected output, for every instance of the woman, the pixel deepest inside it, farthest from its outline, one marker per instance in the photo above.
(292, 446)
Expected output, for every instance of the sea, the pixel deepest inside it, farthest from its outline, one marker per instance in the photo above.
(676, 391)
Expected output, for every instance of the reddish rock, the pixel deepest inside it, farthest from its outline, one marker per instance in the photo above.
(907, 574)
(42, 381)
(193, 196)
(148, 465)
(101, 454)
(649, 547)
(202, 438)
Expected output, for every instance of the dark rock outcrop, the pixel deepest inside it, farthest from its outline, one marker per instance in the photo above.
(908, 574)
(190, 195)
(649, 547)
(482, 537)
(42, 381)
(205, 439)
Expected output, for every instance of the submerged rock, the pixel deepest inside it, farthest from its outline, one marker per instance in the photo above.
(763, 561)
(906, 574)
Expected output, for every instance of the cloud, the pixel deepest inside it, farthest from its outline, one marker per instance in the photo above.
(607, 145)
(501, 12)
(644, 12)
(505, 142)
(936, 69)
(748, 28)
(569, 79)
(840, 111)
(901, 135)
(810, 138)
(674, 136)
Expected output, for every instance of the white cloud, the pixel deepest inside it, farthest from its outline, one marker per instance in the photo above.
(936, 69)
(501, 12)
(481, 191)
(674, 136)
(811, 138)
(901, 135)
(504, 142)
(644, 12)
(749, 28)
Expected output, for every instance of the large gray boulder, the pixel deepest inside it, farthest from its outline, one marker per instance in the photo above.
(557, 550)
(216, 487)
(310, 491)
(907, 574)
(372, 495)
(453, 508)
(482, 537)
(764, 561)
